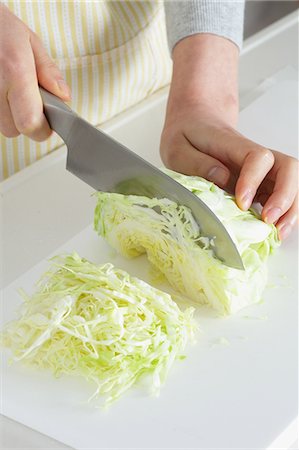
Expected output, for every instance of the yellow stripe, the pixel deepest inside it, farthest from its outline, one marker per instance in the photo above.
(37, 21)
(38, 150)
(43, 149)
(139, 10)
(142, 65)
(116, 29)
(91, 101)
(11, 5)
(132, 78)
(132, 7)
(15, 154)
(4, 150)
(111, 31)
(49, 26)
(118, 73)
(108, 75)
(127, 63)
(71, 73)
(101, 87)
(146, 10)
(125, 19)
(71, 14)
(26, 145)
(162, 54)
(23, 12)
(84, 27)
(135, 79)
(96, 25)
(118, 77)
(53, 143)
(79, 89)
(62, 36)
(50, 144)
(119, 23)
(106, 17)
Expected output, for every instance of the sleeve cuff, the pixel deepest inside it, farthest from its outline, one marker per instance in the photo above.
(221, 17)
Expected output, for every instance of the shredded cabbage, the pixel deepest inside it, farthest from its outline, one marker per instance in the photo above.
(100, 323)
(172, 240)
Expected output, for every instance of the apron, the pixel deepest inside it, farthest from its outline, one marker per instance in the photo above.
(113, 54)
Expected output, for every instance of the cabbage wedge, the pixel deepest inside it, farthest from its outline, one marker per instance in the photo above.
(174, 245)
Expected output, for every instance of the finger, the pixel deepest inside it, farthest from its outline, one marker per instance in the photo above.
(48, 74)
(288, 221)
(284, 192)
(7, 125)
(248, 161)
(24, 98)
(181, 156)
(256, 165)
(27, 110)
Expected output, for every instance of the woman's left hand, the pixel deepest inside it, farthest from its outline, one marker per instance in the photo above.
(199, 135)
(196, 143)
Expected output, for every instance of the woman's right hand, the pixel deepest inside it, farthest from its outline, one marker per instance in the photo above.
(24, 64)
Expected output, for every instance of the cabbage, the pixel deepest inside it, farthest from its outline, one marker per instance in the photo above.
(174, 245)
(99, 323)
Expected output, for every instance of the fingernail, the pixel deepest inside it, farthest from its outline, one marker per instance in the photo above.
(218, 175)
(284, 231)
(63, 87)
(273, 215)
(246, 199)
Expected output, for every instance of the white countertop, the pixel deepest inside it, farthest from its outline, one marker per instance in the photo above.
(24, 209)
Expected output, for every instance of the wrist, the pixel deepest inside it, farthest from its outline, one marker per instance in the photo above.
(205, 77)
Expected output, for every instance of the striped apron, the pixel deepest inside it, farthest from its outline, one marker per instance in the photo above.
(112, 54)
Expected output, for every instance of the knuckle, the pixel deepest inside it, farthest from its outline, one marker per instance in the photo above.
(33, 36)
(42, 135)
(47, 63)
(171, 155)
(9, 132)
(12, 67)
(267, 156)
(29, 123)
(7, 126)
(170, 150)
(285, 204)
(50, 65)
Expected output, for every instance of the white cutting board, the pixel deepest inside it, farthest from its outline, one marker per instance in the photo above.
(240, 395)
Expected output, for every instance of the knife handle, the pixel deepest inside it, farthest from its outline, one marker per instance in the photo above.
(59, 115)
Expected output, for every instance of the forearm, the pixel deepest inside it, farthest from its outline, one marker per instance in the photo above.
(205, 75)
(204, 37)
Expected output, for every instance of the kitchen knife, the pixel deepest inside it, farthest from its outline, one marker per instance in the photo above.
(106, 165)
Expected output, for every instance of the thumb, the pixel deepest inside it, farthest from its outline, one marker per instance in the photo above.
(180, 155)
(48, 74)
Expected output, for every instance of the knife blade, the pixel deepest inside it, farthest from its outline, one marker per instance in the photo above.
(106, 165)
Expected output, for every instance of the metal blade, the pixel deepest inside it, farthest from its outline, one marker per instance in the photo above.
(108, 166)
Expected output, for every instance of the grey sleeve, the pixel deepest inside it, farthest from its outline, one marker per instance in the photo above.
(221, 17)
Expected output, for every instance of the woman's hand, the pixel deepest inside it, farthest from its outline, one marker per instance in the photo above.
(199, 136)
(24, 63)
